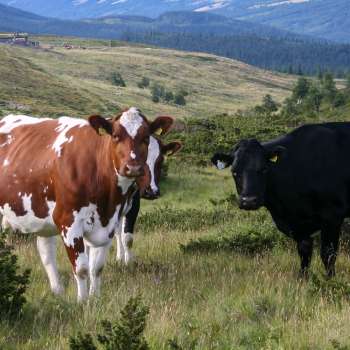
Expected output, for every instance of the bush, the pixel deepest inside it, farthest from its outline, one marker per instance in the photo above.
(143, 83)
(118, 80)
(12, 284)
(125, 334)
(331, 289)
(247, 242)
(179, 99)
(82, 342)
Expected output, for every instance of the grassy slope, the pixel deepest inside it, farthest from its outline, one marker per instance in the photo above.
(77, 82)
(224, 301)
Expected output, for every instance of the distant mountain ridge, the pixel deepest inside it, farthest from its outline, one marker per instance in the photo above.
(328, 19)
(252, 43)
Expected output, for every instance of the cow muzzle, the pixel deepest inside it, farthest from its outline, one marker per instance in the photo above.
(249, 203)
(133, 170)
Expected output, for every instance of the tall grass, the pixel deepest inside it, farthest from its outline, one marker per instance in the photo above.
(220, 298)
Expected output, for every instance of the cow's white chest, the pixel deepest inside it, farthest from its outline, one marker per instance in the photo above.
(95, 234)
(29, 222)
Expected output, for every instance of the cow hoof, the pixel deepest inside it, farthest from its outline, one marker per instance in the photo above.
(303, 275)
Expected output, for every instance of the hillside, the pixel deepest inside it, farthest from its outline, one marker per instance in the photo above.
(58, 81)
(249, 42)
(328, 19)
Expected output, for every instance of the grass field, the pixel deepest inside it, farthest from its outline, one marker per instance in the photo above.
(211, 300)
(56, 81)
(200, 291)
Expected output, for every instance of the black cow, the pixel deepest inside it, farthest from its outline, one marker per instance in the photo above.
(303, 179)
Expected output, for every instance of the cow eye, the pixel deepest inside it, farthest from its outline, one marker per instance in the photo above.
(116, 138)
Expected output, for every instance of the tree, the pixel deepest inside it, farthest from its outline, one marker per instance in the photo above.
(144, 83)
(118, 80)
(269, 104)
(301, 89)
(314, 99)
(329, 88)
(179, 99)
(290, 108)
(169, 96)
(347, 84)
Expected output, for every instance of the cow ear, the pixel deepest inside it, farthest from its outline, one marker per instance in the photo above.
(161, 125)
(222, 161)
(101, 125)
(171, 148)
(277, 154)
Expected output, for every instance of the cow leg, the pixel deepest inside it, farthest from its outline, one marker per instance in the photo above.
(72, 230)
(127, 234)
(47, 251)
(329, 248)
(120, 248)
(305, 248)
(127, 241)
(97, 259)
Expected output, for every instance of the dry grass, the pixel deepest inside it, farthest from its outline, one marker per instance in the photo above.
(213, 300)
(77, 82)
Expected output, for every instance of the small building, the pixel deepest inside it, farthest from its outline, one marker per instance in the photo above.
(15, 39)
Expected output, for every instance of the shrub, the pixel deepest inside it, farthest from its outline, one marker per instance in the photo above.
(125, 334)
(179, 99)
(247, 242)
(332, 289)
(143, 83)
(82, 342)
(118, 80)
(12, 283)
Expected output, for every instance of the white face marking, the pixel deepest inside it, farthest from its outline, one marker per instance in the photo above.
(64, 125)
(13, 121)
(131, 120)
(153, 154)
(220, 165)
(6, 162)
(29, 223)
(132, 155)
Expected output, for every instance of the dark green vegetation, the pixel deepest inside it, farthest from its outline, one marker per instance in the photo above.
(13, 284)
(212, 276)
(125, 334)
(199, 32)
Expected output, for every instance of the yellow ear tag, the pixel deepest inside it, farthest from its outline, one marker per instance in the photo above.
(102, 131)
(159, 131)
(274, 159)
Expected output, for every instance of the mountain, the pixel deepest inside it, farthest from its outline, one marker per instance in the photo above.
(328, 19)
(252, 43)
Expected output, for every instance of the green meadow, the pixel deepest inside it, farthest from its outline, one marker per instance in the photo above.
(213, 276)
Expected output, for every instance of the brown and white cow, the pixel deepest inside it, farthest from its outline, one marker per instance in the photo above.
(60, 176)
(148, 189)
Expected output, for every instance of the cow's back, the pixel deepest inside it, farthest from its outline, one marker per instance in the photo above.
(310, 183)
(29, 150)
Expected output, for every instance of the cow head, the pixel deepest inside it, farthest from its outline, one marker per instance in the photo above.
(129, 139)
(250, 164)
(149, 183)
